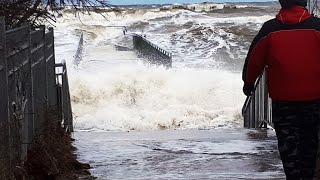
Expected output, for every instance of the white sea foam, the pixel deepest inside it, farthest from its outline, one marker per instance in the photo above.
(112, 90)
(149, 98)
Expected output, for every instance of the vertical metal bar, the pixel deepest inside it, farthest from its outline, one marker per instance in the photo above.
(249, 116)
(266, 100)
(66, 100)
(253, 103)
(256, 125)
(245, 114)
(258, 120)
(260, 103)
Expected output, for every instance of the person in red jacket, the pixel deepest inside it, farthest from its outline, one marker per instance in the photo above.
(288, 47)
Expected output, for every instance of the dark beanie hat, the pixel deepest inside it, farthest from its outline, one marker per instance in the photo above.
(289, 3)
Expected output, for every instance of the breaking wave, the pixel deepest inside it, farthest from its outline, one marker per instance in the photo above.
(113, 90)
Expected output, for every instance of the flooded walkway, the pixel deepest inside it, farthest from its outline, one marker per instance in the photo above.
(182, 154)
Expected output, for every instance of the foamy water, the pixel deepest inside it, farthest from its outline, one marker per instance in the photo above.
(219, 154)
(114, 90)
(137, 97)
(137, 121)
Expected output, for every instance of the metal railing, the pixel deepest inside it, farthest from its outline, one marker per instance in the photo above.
(79, 52)
(152, 52)
(256, 110)
(64, 97)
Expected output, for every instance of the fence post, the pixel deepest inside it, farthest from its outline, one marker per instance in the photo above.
(26, 131)
(39, 74)
(52, 90)
(29, 95)
(4, 113)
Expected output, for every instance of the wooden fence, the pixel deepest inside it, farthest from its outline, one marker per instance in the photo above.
(29, 87)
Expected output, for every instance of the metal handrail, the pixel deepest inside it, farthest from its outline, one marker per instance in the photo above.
(248, 99)
(256, 110)
(65, 102)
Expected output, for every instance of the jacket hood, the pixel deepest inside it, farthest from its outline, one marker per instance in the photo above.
(293, 15)
(290, 3)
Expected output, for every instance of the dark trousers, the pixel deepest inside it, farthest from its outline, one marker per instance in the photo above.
(297, 126)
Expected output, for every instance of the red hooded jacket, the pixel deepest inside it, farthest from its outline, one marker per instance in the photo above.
(289, 46)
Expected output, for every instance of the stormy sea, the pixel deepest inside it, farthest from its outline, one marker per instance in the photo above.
(135, 120)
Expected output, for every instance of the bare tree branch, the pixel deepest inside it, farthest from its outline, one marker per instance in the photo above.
(18, 12)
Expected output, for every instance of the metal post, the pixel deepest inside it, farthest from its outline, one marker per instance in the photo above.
(266, 100)
(68, 120)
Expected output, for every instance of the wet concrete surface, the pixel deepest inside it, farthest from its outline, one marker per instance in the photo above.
(222, 154)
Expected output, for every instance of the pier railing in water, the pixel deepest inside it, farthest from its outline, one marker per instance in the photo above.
(256, 110)
(152, 52)
(28, 90)
(79, 52)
